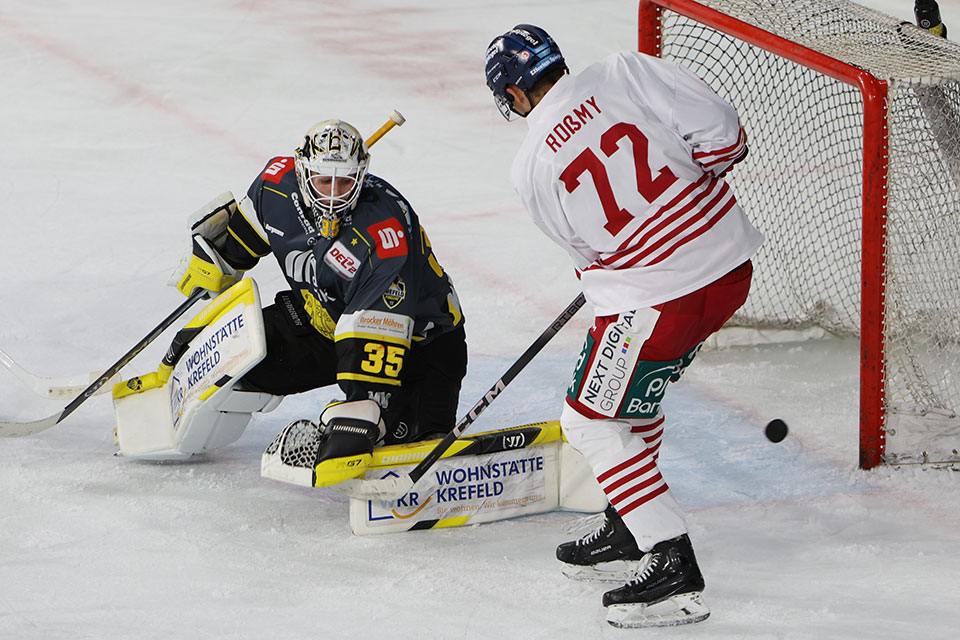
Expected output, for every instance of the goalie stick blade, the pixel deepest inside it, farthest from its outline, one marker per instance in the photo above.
(386, 489)
(65, 388)
(19, 429)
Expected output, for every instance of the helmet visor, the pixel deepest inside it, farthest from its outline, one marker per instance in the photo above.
(505, 106)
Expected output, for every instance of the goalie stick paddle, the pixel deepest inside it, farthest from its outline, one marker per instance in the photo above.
(395, 487)
(17, 429)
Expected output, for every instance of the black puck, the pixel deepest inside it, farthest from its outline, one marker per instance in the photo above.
(776, 430)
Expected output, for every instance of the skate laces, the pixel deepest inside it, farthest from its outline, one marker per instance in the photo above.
(593, 523)
(645, 570)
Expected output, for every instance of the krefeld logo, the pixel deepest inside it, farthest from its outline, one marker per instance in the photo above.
(395, 293)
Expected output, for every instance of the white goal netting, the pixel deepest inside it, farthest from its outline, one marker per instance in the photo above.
(803, 187)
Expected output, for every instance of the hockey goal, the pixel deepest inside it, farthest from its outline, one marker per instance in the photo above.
(854, 177)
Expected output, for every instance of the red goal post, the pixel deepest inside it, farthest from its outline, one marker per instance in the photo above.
(728, 42)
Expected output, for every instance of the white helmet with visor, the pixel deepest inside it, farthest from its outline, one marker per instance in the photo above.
(331, 165)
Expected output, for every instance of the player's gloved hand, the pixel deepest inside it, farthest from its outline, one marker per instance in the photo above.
(202, 267)
(211, 220)
(350, 431)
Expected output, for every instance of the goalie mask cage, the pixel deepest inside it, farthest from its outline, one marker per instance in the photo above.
(853, 176)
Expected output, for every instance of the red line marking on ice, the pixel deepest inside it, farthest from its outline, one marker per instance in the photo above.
(126, 87)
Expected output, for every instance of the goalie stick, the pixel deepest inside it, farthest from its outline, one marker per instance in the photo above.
(17, 429)
(82, 387)
(395, 120)
(66, 387)
(395, 487)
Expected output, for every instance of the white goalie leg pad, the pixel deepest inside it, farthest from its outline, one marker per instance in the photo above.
(146, 429)
(218, 423)
(684, 608)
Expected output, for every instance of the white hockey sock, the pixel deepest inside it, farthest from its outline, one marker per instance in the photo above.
(626, 468)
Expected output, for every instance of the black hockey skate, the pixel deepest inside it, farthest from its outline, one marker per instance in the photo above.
(609, 553)
(665, 591)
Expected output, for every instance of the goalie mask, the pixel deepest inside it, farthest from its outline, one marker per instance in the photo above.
(331, 165)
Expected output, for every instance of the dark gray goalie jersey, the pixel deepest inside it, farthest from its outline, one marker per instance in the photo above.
(375, 290)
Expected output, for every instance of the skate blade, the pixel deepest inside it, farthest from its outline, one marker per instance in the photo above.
(685, 608)
(617, 571)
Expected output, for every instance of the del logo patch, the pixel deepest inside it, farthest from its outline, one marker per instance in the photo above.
(277, 169)
(342, 261)
(390, 238)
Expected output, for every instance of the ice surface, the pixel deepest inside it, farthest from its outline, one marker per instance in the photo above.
(118, 119)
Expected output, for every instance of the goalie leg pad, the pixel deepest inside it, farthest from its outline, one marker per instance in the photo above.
(145, 428)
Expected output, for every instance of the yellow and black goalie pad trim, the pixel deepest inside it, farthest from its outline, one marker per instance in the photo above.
(408, 454)
(337, 470)
(241, 293)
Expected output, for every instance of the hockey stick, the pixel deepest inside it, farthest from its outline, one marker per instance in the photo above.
(66, 387)
(72, 386)
(80, 385)
(17, 429)
(395, 120)
(395, 487)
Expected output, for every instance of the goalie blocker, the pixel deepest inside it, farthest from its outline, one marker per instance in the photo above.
(189, 405)
(480, 478)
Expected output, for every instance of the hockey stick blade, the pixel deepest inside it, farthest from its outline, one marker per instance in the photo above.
(17, 429)
(66, 387)
(386, 489)
(392, 488)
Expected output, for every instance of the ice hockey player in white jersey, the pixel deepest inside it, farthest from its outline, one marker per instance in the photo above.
(623, 167)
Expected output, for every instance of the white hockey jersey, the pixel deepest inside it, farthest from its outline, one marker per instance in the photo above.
(621, 167)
